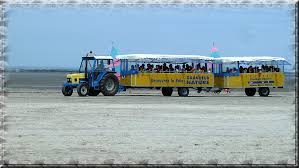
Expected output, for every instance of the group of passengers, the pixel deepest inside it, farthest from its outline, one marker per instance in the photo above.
(170, 68)
(256, 69)
(186, 68)
(231, 70)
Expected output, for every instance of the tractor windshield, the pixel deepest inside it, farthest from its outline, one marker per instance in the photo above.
(104, 64)
(86, 64)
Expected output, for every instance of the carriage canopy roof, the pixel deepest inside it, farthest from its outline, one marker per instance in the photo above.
(254, 59)
(187, 58)
(164, 57)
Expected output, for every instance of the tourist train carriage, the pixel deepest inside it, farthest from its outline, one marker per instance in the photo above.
(131, 76)
(259, 77)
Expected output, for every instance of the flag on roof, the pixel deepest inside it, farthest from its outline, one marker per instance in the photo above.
(113, 52)
(215, 52)
(116, 62)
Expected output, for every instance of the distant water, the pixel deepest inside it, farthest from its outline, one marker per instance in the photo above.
(36, 79)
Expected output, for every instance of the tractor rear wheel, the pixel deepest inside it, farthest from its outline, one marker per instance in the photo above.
(184, 92)
(264, 91)
(93, 92)
(250, 91)
(109, 85)
(67, 90)
(167, 91)
(82, 89)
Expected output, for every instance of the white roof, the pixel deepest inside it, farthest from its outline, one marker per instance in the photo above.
(160, 57)
(252, 59)
(103, 57)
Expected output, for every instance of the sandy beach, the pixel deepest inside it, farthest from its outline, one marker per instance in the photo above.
(141, 126)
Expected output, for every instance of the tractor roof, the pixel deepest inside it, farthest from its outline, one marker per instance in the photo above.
(103, 57)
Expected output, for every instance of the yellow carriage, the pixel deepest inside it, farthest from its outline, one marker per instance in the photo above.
(166, 72)
(251, 73)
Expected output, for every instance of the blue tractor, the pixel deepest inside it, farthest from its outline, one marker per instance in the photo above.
(96, 74)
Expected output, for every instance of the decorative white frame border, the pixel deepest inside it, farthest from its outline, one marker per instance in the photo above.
(204, 2)
(126, 3)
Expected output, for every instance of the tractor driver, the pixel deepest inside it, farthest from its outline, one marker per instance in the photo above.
(108, 65)
(100, 65)
(103, 66)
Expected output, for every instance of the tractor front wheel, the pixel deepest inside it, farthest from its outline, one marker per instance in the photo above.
(167, 91)
(67, 90)
(82, 89)
(109, 85)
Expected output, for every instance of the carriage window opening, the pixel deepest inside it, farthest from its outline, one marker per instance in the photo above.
(169, 67)
(259, 68)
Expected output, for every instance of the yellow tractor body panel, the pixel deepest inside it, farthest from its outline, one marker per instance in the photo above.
(74, 78)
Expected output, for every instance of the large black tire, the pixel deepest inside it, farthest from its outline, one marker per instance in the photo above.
(92, 92)
(109, 85)
(250, 91)
(67, 90)
(184, 92)
(82, 89)
(167, 91)
(264, 91)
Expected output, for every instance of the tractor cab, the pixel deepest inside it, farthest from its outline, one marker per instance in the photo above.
(96, 74)
(96, 63)
(92, 66)
(104, 63)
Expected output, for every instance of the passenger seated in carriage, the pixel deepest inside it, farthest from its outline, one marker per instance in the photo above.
(183, 68)
(149, 67)
(142, 68)
(158, 68)
(203, 69)
(177, 68)
(171, 69)
(241, 69)
(234, 70)
(164, 68)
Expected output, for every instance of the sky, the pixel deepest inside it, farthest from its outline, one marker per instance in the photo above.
(58, 37)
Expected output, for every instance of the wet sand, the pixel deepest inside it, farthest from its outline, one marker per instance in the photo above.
(141, 126)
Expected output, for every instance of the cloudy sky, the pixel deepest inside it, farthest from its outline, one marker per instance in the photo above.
(58, 37)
